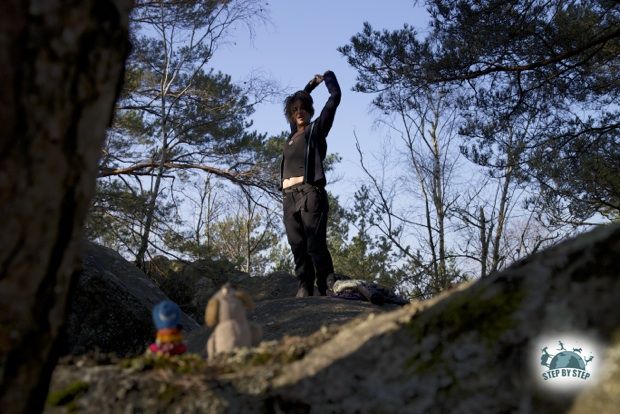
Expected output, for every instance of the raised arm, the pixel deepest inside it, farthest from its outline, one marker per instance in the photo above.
(314, 82)
(326, 119)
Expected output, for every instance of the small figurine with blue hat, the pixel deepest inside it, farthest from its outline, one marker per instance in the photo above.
(169, 339)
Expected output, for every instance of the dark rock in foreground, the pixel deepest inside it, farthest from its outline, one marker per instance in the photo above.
(472, 350)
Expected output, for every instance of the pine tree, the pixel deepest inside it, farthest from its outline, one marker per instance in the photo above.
(553, 63)
(176, 115)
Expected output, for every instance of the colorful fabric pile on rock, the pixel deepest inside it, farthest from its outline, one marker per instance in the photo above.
(343, 287)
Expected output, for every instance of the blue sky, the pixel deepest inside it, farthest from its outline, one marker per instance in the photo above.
(300, 40)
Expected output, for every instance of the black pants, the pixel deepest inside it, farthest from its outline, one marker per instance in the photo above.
(305, 221)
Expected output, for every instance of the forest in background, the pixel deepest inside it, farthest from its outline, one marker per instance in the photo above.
(503, 124)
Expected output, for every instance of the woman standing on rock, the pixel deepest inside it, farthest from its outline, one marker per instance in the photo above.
(303, 183)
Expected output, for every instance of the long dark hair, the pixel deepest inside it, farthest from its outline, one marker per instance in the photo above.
(306, 103)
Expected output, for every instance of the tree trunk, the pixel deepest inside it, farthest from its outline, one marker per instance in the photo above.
(149, 215)
(248, 234)
(484, 244)
(151, 207)
(501, 221)
(61, 70)
(439, 201)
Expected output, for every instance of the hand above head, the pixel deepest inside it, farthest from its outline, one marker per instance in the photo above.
(316, 80)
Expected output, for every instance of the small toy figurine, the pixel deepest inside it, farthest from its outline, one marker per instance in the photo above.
(169, 339)
(226, 314)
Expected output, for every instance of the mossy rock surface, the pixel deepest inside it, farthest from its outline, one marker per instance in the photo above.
(468, 350)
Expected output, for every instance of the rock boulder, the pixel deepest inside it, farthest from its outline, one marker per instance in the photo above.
(475, 349)
(110, 307)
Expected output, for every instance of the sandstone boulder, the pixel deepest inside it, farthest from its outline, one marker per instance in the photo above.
(110, 308)
(191, 284)
(474, 349)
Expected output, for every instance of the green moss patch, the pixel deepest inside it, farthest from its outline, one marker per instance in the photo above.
(68, 394)
(181, 364)
(487, 314)
(167, 394)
